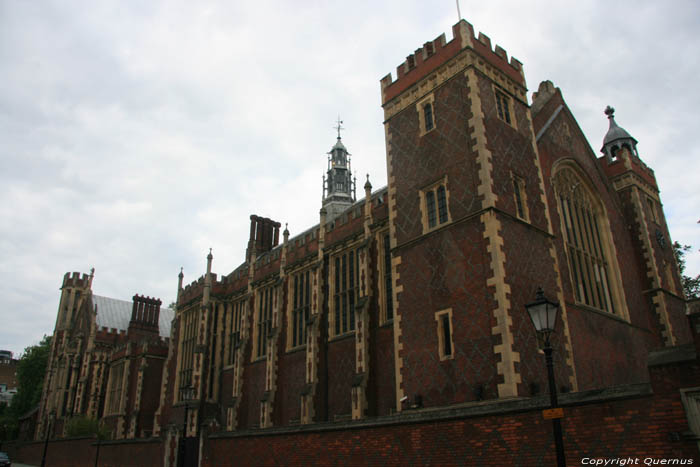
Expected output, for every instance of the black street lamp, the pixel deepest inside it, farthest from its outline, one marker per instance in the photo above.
(186, 393)
(543, 314)
(50, 416)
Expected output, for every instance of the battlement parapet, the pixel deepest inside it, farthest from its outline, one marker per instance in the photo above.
(437, 52)
(75, 279)
(628, 162)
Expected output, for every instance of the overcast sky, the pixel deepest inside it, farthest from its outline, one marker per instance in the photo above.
(136, 135)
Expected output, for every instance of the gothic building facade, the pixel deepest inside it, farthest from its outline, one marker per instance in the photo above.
(412, 296)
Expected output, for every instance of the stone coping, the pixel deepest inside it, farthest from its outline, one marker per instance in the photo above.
(460, 411)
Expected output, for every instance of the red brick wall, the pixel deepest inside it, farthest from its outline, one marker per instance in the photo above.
(642, 426)
(82, 452)
(341, 368)
(447, 270)
(381, 392)
(291, 376)
(253, 389)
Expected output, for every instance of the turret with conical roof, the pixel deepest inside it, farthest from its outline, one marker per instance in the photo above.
(616, 138)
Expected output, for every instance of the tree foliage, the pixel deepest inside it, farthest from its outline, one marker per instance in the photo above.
(31, 369)
(691, 285)
(79, 427)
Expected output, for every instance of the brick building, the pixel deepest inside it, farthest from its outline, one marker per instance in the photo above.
(8, 377)
(106, 355)
(412, 297)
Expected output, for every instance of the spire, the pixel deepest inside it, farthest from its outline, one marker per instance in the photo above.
(207, 280)
(179, 286)
(616, 138)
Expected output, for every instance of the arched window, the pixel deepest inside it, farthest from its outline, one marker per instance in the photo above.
(587, 240)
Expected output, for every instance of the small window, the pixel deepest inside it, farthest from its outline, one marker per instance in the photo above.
(444, 330)
(652, 210)
(503, 106)
(613, 153)
(430, 201)
(428, 115)
(442, 204)
(520, 198)
(434, 205)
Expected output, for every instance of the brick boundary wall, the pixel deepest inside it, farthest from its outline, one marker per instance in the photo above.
(621, 422)
(76, 452)
(643, 422)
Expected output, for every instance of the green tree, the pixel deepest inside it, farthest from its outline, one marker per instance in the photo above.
(80, 427)
(691, 285)
(31, 369)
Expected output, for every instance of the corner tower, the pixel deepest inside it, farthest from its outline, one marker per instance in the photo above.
(338, 185)
(638, 190)
(470, 231)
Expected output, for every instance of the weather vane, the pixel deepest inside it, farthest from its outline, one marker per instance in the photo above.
(339, 127)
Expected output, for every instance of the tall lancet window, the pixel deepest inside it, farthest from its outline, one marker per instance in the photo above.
(588, 243)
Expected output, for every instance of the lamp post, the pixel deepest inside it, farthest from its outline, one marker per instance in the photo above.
(186, 393)
(98, 435)
(51, 415)
(543, 314)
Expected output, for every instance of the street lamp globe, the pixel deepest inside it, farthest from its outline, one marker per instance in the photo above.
(543, 313)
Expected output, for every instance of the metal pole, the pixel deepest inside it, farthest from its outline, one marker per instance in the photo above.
(556, 422)
(183, 446)
(46, 442)
(97, 454)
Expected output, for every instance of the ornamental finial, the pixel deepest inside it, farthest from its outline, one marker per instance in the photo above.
(339, 126)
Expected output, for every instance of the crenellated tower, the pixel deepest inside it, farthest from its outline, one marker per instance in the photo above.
(465, 203)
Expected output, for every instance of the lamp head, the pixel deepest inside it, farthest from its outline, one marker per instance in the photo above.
(543, 312)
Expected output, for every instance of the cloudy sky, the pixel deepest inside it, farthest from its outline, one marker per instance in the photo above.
(136, 135)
